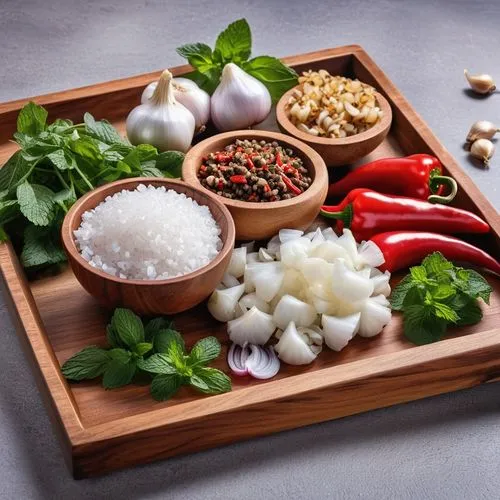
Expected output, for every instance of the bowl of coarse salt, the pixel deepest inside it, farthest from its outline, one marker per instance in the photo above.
(156, 246)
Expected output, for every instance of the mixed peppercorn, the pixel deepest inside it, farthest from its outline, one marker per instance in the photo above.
(254, 171)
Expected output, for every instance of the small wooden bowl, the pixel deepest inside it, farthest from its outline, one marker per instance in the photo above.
(257, 221)
(337, 152)
(149, 296)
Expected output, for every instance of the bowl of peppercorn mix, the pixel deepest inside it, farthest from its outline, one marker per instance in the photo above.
(267, 180)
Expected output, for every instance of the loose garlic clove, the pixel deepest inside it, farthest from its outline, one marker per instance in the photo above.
(482, 84)
(482, 149)
(482, 130)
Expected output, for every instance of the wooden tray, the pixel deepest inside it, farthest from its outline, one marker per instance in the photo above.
(106, 430)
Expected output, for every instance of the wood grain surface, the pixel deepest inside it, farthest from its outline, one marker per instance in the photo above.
(106, 430)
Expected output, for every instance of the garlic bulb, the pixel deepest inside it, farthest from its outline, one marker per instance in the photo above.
(482, 130)
(482, 149)
(162, 121)
(482, 84)
(190, 96)
(239, 101)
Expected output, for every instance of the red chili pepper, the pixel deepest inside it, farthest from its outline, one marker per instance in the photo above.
(417, 176)
(290, 185)
(238, 179)
(289, 169)
(223, 158)
(369, 213)
(404, 249)
(220, 185)
(278, 159)
(250, 162)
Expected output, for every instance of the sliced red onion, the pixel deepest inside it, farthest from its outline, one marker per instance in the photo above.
(255, 360)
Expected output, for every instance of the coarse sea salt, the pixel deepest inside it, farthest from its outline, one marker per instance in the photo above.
(148, 234)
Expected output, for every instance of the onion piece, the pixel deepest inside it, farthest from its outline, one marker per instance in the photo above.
(369, 254)
(339, 331)
(293, 349)
(349, 244)
(253, 257)
(237, 263)
(254, 327)
(330, 251)
(265, 256)
(250, 300)
(222, 303)
(374, 316)
(229, 280)
(329, 234)
(381, 284)
(259, 362)
(289, 234)
(274, 244)
(348, 285)
(290, 309)
(249, 245)
(293, 251)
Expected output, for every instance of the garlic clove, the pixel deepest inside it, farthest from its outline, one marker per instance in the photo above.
(239, 101)
(482, 130)
(162, 121)
(482, 84)
(188, 94)
(483, 150)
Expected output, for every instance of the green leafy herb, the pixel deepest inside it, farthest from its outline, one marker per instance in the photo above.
(436, 294)
(58, 163)
(234, 45)
(156, 349)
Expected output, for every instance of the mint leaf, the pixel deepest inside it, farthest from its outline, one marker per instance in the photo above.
(128, 327)
(142, 348)
(156, 325)
(14, 172)
(435, 263)
(235, 42)
(118, 374)
(31, 119)
(157, 363)
(418, 274)
(421, 327)
(121, 355)
(199, 55)
(164, 387)
(41, 247)
(112, 337)
(469, 314)
(276, 76)
(399, 293)
(443, 292)
(36, 203)
(477, 286)
(86, 148)
(204, 351)
(3, 235)
(61, 159)
(102, 130)
(444, 312)
(170, 163)
(163, 340)
(210, 380)
(87, 364)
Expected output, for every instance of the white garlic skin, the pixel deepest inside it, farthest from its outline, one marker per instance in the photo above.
(482, 130)
(483, 150)
(189, 95)
(162, 121)
(239, 101)
(482, 84)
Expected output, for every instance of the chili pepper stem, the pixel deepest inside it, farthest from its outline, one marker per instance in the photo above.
(344, 215)
(439, 180)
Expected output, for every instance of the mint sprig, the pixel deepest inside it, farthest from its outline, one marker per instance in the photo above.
(58, 163)
(234, 45)
(437, 294)
(156, 349)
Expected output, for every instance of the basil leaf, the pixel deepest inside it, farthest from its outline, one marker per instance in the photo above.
(36, 203)
(276, 76)
(128, 327)
(157, 363)
(102, 130)
(235, 43)
(14, 172)
(208, 81)
(210, 380)
(31, 119)
(87, 364)
(164, 387)
(118, 374)
(41, 247)
(170, 163)
(204, 351)
(199, 55)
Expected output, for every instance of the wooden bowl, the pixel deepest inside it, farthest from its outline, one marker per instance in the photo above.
(149, 296)
(254, 220)
(337, 152)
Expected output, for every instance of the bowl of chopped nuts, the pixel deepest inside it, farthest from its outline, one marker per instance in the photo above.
(267, 180)
(342, 119)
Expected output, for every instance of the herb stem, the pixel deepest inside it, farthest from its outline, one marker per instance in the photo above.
(84, 178)
(61, 178)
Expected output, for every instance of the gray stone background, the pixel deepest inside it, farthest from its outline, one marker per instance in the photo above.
(445, 447)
